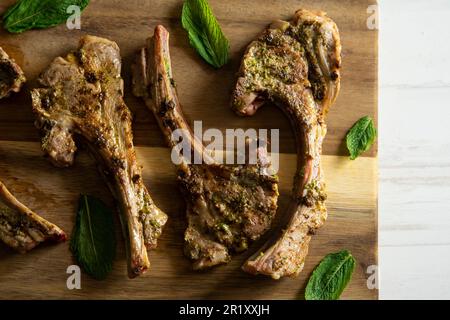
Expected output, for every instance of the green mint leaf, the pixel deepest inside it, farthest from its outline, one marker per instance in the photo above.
(361, 137)
(330, 277)
(38, 14)
(205, 34)
(93, 241)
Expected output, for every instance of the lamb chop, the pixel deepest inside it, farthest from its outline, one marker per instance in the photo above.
(21, 228)
(82, 96)
(296, 66)
(11, 75)
(227, 205)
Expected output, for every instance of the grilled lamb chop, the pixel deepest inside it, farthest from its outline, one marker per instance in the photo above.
(11, 75)
(82, 96)
(296, 66)
(21, 228)
(227, 206)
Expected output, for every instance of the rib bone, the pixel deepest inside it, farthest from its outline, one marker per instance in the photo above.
(295, 65)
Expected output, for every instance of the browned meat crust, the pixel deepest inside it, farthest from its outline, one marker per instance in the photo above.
(21, 228)
(227, 206)
(82, 96)
(11, 75)
(296, 65)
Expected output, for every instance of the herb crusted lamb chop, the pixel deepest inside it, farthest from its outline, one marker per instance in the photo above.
(228, 206)
(82, 97)
(21, 228)
(295, 65)
(11, 75)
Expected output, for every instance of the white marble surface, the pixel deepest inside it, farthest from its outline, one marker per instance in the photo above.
(414, 149)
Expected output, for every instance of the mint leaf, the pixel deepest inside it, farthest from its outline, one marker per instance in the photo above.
(93, 241)
(38, 14)
(330, 277)
(205, 34)
(361, 137)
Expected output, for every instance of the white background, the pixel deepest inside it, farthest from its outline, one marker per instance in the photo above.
(414, 149)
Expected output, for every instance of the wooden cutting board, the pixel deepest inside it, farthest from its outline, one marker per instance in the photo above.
(204, 94)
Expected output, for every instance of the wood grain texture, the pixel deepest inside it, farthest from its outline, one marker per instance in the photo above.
(54, 192)
(414, 150)
(204, 93)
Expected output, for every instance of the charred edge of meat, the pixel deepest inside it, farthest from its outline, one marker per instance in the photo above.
(21, 228)
(11, 75)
